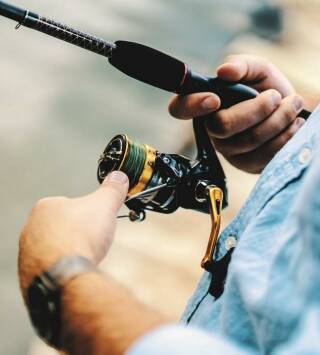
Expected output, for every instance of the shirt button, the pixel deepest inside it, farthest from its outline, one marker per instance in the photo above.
(230, 243)
(305, 156)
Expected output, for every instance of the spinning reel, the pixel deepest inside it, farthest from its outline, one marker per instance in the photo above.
(162, 182)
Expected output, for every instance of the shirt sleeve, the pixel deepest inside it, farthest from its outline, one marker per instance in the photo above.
(182, 340)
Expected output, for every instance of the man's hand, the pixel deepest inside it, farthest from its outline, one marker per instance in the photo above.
(60, 226)
(250, 133)
(99, 316)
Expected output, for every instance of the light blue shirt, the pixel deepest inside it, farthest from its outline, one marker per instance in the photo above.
(271, 300)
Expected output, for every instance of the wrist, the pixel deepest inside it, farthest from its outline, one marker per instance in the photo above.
(34, 259)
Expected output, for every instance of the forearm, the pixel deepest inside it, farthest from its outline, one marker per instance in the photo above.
(101, 317)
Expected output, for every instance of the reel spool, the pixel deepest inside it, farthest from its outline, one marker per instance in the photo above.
(136, 160)
(152, 175)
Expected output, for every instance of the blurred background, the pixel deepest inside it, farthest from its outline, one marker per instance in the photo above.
(60, 106)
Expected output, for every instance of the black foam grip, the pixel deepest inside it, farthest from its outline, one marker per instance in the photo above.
(148, 65)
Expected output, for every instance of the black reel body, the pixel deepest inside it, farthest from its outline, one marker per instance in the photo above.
(163, 182)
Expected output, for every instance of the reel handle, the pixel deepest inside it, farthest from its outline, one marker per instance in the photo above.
(230, 94)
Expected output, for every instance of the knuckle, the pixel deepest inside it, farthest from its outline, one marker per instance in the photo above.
(267, 65)
(173, 108)
(221, 146)
(47, 202)
(225, 127)
(179, 106)
(275, 126)
(288, 107)
(222, 125)
(266, 106)
(288, 112)
(254, 137)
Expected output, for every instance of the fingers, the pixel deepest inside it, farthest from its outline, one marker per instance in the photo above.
(251, 70)
(271, 127)
(256, 72)
(255, 161)
(194, 105)
(244, 115)
(112, 193)
(247, 133)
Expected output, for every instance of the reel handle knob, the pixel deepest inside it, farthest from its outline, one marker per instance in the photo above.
(215, 197)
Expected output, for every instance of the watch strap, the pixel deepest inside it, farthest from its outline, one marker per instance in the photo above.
(45, 293)
(66, 269)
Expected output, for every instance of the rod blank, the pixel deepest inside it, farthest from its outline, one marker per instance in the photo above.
(57, 30)
(13, 12)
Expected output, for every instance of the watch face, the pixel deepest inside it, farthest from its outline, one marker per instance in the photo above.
(43, 305)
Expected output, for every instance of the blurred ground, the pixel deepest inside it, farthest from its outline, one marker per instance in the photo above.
(60, 106)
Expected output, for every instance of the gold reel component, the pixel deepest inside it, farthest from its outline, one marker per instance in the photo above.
(147, 171)
(215, 198)
(134, 159)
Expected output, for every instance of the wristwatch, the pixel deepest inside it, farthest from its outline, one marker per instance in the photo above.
(44, 296)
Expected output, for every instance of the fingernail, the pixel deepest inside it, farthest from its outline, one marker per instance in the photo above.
(118, 177)
(209, 103)
(297, 104)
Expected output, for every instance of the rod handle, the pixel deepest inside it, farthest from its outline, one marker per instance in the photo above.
(230, 93)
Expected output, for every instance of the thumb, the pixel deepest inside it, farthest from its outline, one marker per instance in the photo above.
(257, 72)
(243, 68)
(112, 192)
